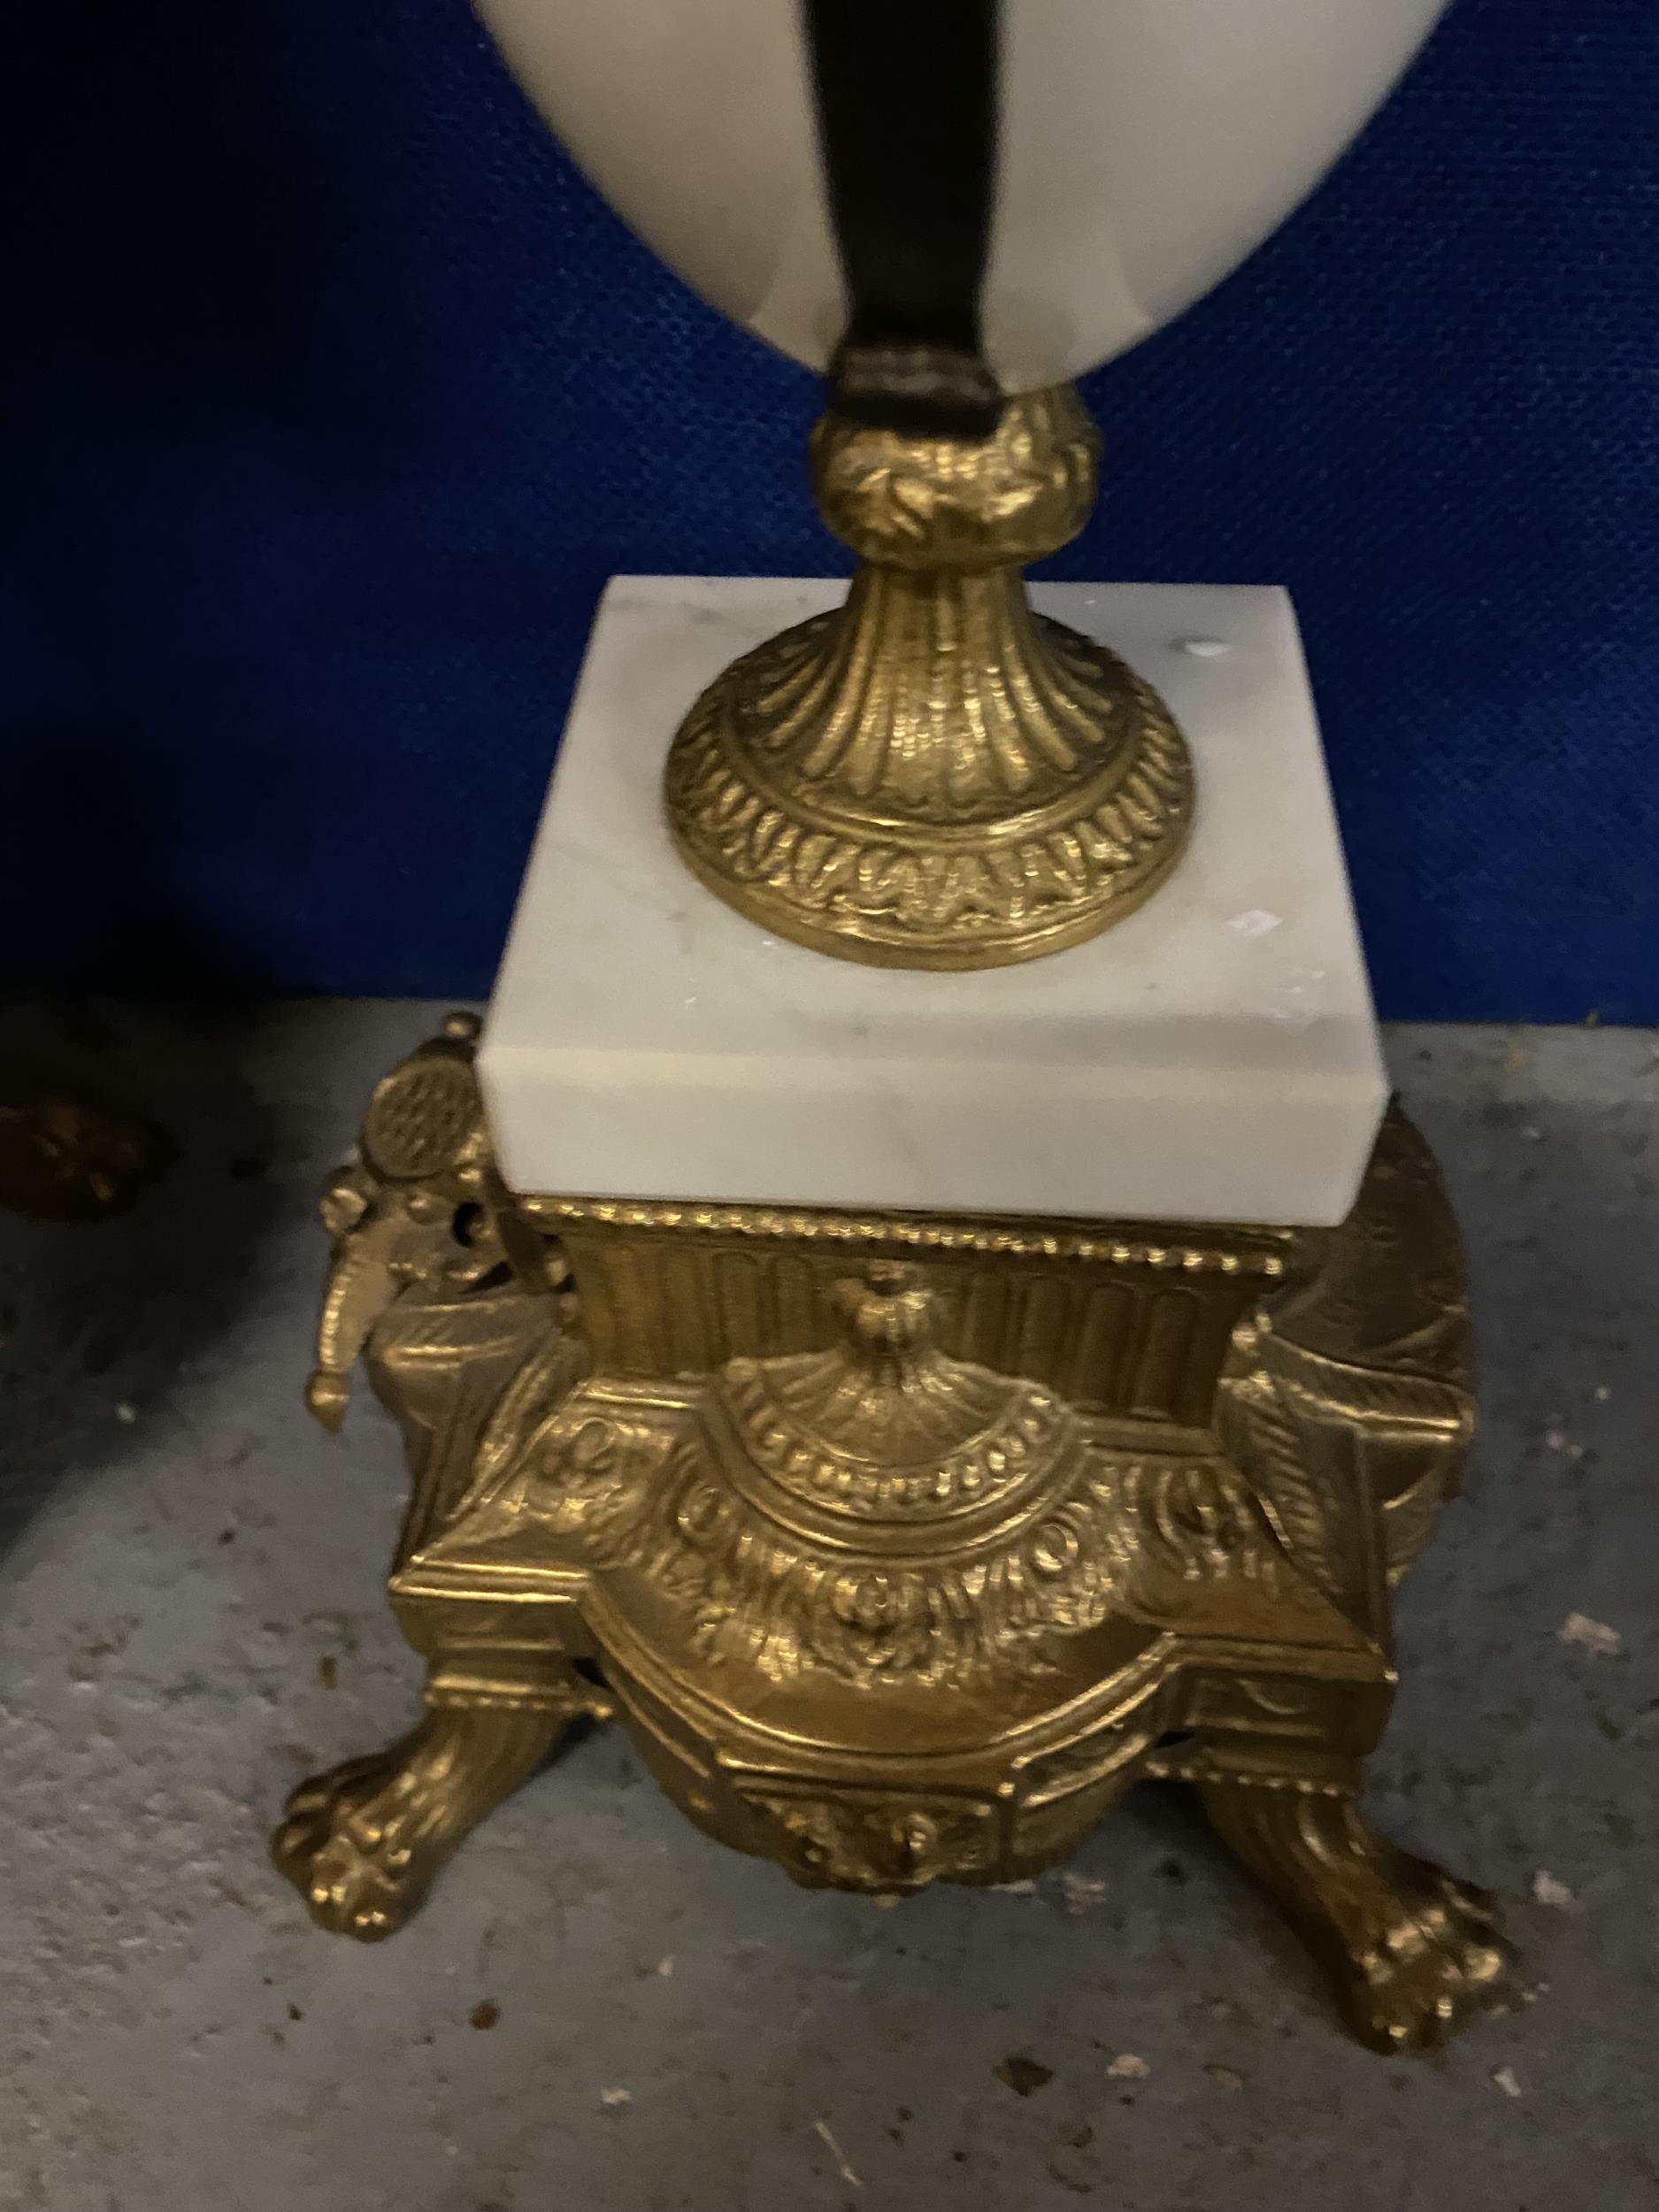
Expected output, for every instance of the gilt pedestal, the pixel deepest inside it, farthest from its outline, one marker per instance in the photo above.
(916, 1407)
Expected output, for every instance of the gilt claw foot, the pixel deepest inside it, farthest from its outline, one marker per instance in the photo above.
(1413, 1954)
(364, 1842)
(1437, 1961)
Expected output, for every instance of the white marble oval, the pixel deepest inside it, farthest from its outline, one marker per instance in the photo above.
(1146, 147)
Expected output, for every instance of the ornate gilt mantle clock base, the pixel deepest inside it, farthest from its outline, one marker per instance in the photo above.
(903, 1545)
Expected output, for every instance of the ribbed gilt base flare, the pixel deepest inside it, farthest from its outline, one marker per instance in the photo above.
(933, 776)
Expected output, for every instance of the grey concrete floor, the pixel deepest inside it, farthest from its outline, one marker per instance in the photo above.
(190, 1619)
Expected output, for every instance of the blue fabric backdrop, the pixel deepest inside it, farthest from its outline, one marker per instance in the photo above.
(335, 396)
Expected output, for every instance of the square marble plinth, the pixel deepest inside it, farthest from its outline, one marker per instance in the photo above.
(1212, 1057)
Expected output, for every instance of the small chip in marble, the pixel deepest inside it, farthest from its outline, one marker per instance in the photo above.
(1225, 2077)
(1591, 1636)
(616, 2096)
(1128, 2066)
(1505, 2079)
(1255, 921)
(665, 1966)
(1549, 1891)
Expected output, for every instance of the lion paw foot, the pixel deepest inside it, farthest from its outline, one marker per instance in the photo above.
(349, 1843)
(363, 1842)
(1414, 1954)
(1435, 1960)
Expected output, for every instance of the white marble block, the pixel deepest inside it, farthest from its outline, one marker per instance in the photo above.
(1214, 1057)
